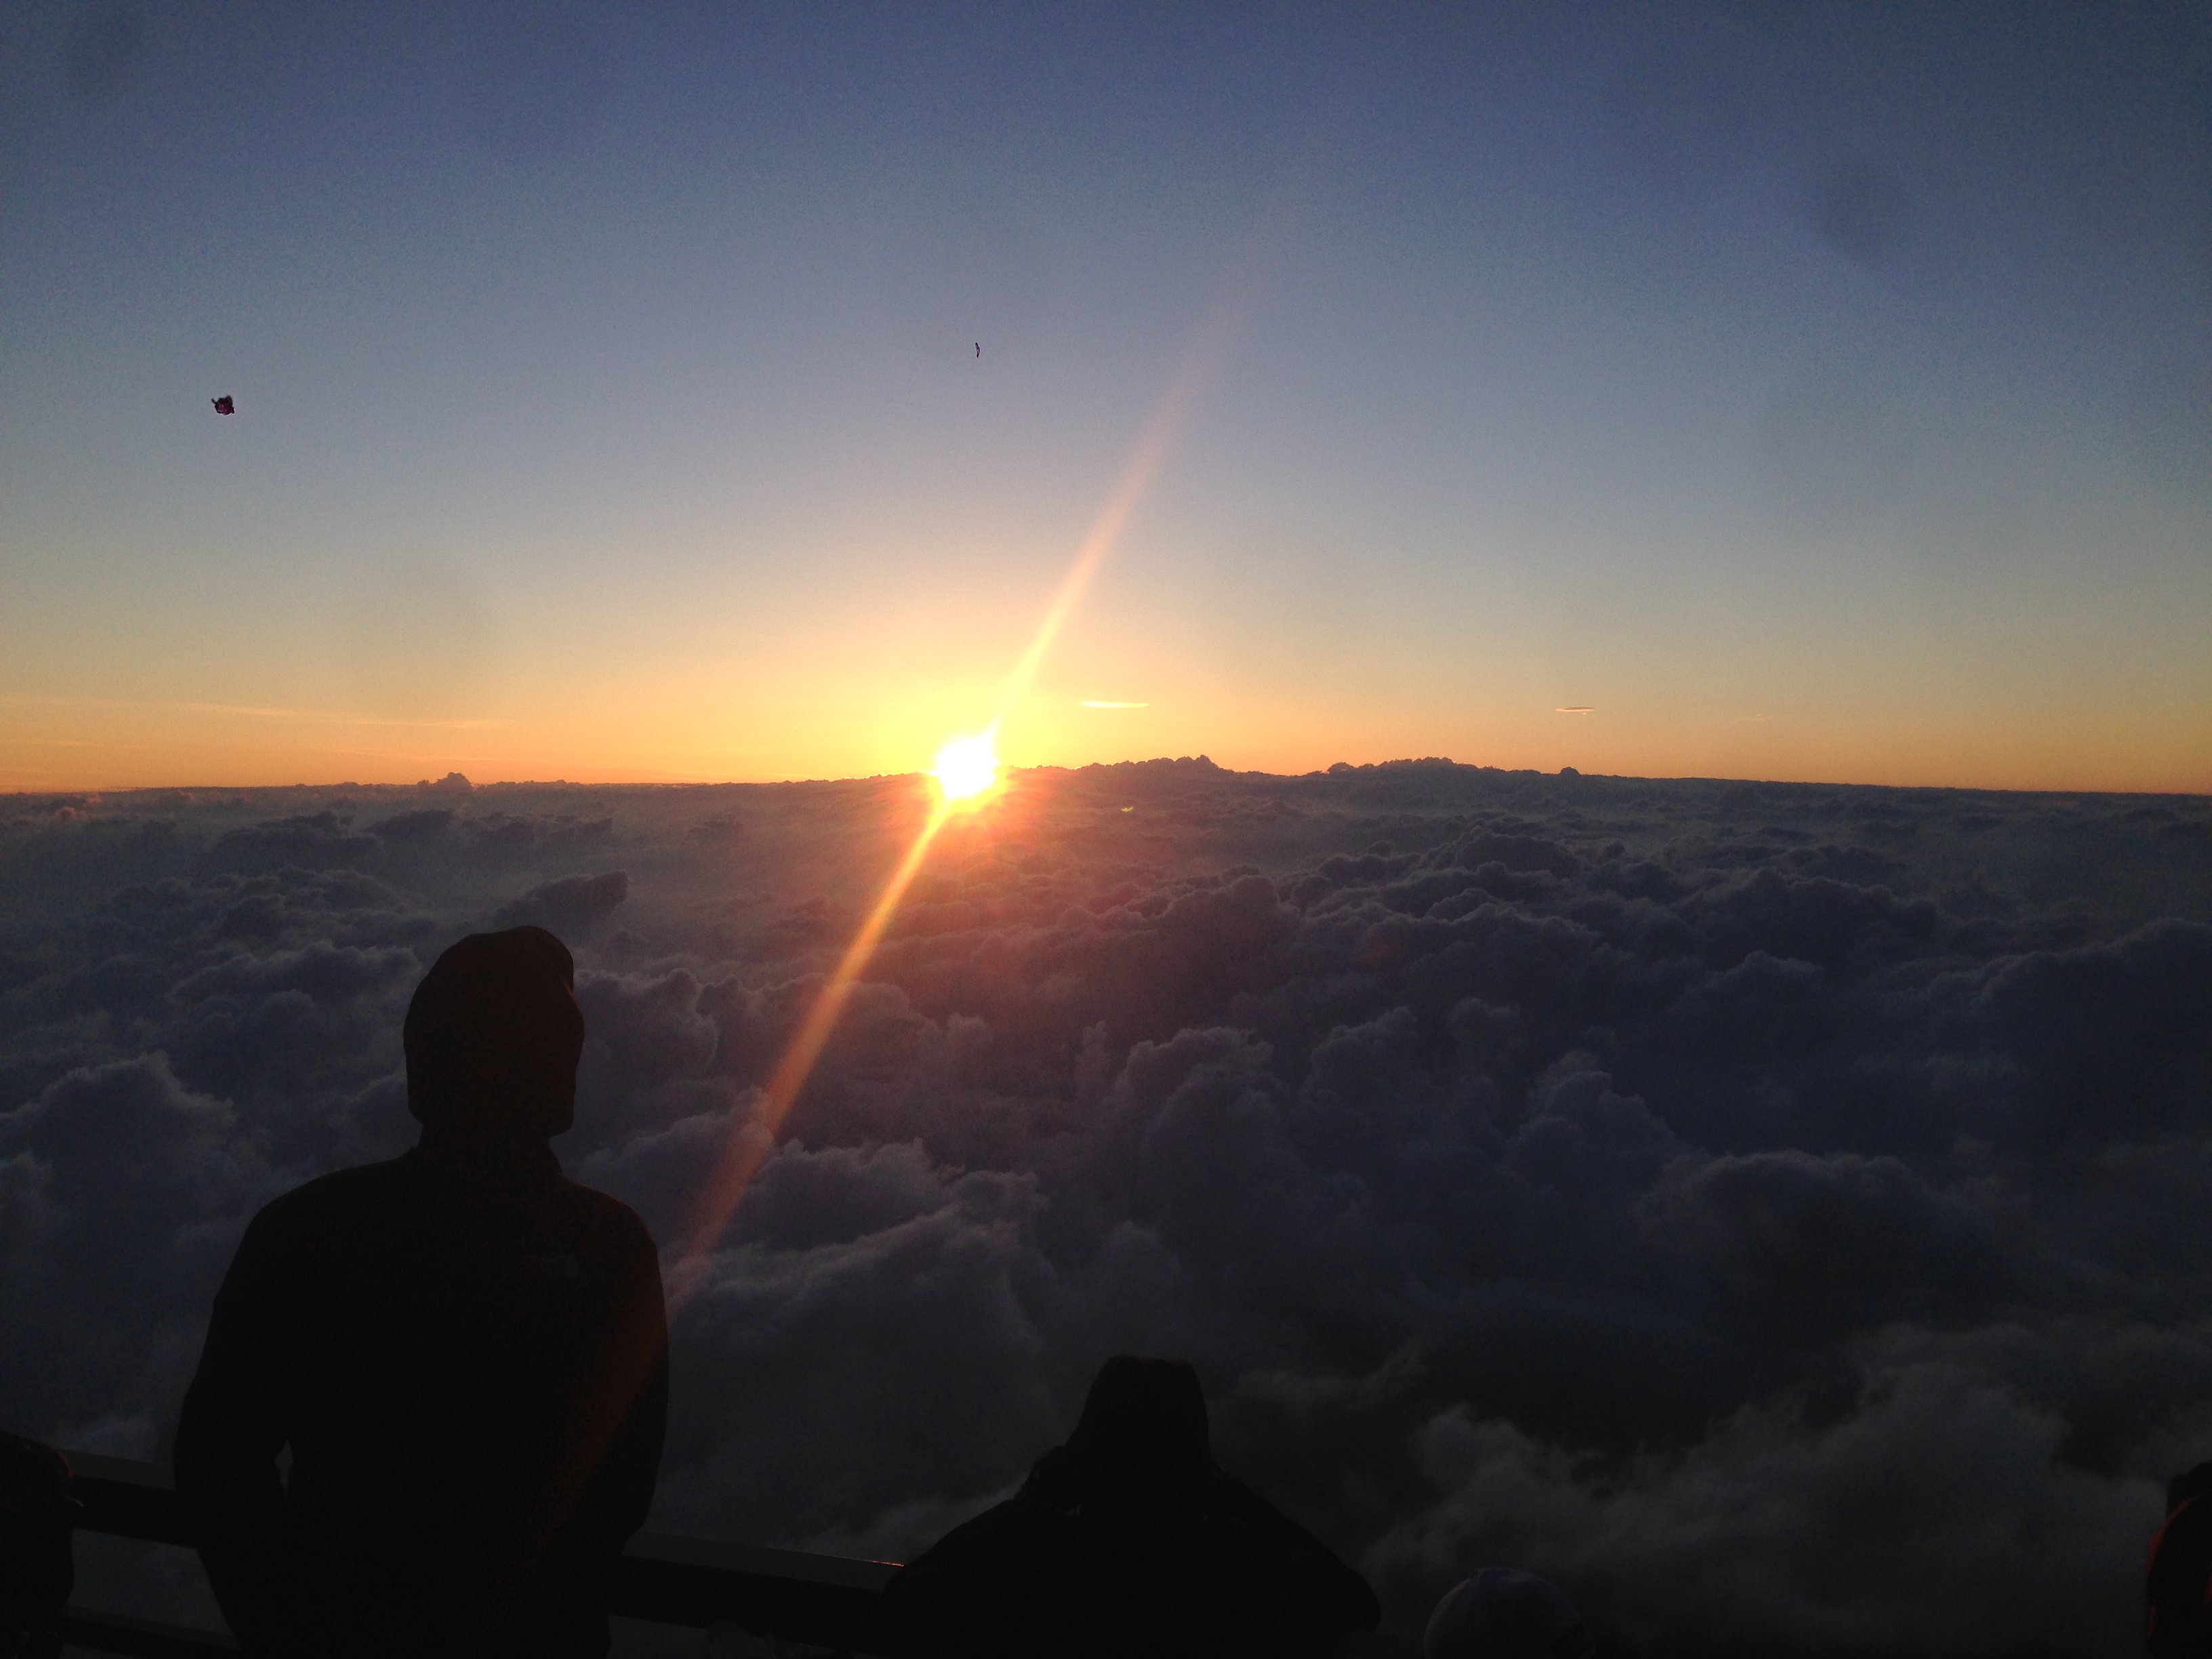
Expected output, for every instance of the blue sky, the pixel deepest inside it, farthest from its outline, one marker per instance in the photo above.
(1812, 391)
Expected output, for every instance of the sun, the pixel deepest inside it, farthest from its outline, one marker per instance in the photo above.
(966, 767)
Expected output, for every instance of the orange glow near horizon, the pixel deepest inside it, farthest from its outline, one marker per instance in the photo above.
(117, 745)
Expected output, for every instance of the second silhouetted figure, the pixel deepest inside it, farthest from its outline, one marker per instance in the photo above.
(466, 1352)
(1129, 1540)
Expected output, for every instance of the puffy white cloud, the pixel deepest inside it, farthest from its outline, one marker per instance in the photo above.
(1774, 1211)
(122, 1193)
(1936, 1513)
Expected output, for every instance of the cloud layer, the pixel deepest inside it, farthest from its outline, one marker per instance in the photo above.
(1773, 1211)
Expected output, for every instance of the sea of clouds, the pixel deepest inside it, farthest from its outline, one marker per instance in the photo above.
(1781, 1214)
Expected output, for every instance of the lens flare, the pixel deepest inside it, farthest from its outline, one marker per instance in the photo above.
(967, 772)
(966, 767)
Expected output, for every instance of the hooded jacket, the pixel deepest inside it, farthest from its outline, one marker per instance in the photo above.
(466, 1353)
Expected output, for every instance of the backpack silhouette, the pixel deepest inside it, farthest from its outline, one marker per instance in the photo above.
(2178, 1581)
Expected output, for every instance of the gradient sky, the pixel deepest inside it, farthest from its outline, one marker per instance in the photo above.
(1811, 392)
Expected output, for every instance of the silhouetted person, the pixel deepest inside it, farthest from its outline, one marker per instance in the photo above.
(1128, 1539)
(2178, 1585)
(36, 1569)
(466, 1352)
(1502, 1612)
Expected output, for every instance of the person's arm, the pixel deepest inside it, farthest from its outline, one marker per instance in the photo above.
(622, 1492)
(233, 1425)
(602, 1494)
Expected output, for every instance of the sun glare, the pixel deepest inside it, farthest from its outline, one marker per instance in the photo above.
(966, 767)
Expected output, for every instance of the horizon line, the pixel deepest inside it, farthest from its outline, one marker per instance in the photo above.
(437, 787)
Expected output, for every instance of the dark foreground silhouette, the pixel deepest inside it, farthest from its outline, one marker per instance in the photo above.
(2177, 1580)
(1129, 1540)
(466, 1353)
(36, 1568)
(1502, 1612)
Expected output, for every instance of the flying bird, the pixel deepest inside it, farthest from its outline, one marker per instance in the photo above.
(978, 348)
(224, 404)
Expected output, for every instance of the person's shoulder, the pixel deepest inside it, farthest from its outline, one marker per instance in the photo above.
(338, 1192)
(605, 1218)
(1008, 1531)
(305, 1224)
(604, 1209)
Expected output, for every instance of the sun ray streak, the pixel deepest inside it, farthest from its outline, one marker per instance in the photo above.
(744, 1153)
(749, 1144)
(1137, 474)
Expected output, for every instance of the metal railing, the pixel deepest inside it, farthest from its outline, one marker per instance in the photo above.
(824, 1600)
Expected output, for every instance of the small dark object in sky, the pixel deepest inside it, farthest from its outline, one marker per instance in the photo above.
(1861, 210)
(978, 348)
(224, 404)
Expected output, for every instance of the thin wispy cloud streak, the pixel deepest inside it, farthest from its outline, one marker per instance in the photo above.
(338, 717)
(258, 711)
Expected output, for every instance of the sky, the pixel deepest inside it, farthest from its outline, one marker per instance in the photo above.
(1813, 393)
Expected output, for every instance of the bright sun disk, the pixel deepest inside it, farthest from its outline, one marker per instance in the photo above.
(966, 767)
